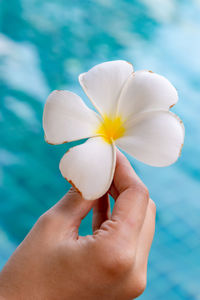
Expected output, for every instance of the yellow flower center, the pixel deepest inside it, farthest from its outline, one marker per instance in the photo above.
(111, 128)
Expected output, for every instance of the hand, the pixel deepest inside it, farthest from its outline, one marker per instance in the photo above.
(55, 263)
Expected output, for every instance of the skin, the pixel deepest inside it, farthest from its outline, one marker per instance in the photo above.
(55, 263)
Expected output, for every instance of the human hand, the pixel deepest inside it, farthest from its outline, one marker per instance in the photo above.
(55, 263)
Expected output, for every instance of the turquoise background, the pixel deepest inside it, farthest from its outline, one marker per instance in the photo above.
(44, 45)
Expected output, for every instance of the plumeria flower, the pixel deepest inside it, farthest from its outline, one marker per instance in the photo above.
(133, 114)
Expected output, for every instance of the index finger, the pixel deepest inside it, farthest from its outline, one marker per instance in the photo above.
(131, 198)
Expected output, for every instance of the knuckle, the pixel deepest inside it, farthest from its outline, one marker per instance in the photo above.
(136, 283)
(141, 284)
(110, 226)
(138, 286)
(142, 191)
(47, 219)
(117, 261)
(152, 206)
(145, 192)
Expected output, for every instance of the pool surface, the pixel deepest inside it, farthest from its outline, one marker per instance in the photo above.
(44, 45)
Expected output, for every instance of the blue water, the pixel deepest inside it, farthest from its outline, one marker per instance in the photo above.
(44, 45)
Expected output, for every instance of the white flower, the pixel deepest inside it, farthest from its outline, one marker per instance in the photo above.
(133, 114)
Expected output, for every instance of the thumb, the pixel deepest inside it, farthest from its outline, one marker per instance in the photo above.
(72, 208)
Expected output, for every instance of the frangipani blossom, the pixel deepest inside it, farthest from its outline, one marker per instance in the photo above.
(133, 114)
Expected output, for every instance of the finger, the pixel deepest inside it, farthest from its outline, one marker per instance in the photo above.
(101, 211)
(72, 208)
(136, 282)
(132, 201)
(113, 191)
(146, 238)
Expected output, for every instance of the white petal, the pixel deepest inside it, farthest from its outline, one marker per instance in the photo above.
(103, 84)
(90, 167)
(66, 118)
(146, 91)
(155, 138)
